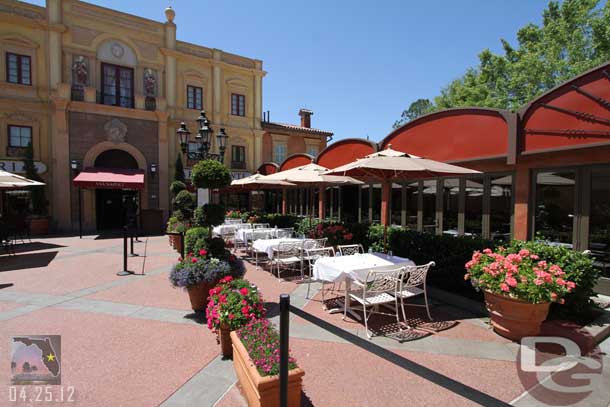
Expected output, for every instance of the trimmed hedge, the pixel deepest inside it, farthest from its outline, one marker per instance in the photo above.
(195, 239)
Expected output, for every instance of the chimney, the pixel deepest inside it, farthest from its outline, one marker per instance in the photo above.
(305, 117)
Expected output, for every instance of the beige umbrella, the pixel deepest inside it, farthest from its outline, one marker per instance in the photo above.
(389, 165)
(8, 180)
(259, 181)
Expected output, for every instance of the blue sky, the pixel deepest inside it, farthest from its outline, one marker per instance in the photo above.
(357, 64)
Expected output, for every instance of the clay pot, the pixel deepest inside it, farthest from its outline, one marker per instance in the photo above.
(224, 337)
(514, 318)
(199, 296)
(263, 391)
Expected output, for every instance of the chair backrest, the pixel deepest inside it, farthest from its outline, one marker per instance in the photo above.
(289, 249)
(416, 275)
(245, 226)
(314, 243)
(315, 254)
(260, 225)
(349, 249)
(383, 281)
(283, 233)
(259, 234)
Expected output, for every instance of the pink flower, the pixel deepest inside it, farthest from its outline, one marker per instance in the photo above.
(534, 257)
(203, 252)
(553, 296)
(194, 260)
(466, 276)
(524, 252)
(504, 287)
(487, 251)
(570, 284)
(538, 281)
(511, 281)
(231, 316)
(244, 291)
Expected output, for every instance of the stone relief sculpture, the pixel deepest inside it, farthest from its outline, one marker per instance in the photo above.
(80, 71)
(116, 131)
(150, 82)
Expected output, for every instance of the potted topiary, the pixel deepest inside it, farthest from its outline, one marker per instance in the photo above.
(232, 304)
(197, 274)
(518, 288)
(256, 359)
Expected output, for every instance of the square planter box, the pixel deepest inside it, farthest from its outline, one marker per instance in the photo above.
(263, 391)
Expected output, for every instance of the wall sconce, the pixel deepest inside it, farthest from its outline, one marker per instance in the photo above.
(74, 165)
(153, 169)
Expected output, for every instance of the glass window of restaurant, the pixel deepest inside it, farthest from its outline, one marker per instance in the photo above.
(473, 206)
(451, 194)
(376, 191)
(396, 204)
(555, 206)
(411, 204)
(429, 206)
(501, 207)
(599, 218)
(364, 203)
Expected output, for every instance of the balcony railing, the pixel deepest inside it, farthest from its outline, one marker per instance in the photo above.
(238, 165)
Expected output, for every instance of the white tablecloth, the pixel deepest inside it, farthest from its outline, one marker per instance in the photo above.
(246, 234)
(268, 245)
(225, 228)
(355, 267)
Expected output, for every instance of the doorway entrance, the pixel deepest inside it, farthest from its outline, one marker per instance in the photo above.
(111, 204)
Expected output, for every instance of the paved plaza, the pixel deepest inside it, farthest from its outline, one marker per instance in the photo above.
(126, 340)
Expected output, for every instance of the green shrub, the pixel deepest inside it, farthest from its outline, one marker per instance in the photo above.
(195, 239)
(198, 217)
(213, 214)
(176, 187)
(176, 223)
(210, 174)
(216, 247)
(185, 203)
(279, 220)
(578, 268)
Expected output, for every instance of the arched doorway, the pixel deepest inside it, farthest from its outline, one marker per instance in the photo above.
(111, 204)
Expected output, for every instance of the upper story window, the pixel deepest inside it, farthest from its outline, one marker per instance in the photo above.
(238, 105)
(18, 69)
(117, 85)
(238, 157)
(312, 150)
(280, 151)
(194, 97)
(19, 137)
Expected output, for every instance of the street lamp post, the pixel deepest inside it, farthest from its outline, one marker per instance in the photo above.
(203, 138)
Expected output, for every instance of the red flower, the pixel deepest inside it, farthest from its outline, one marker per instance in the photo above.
(231, 316)
(194, 260)
(226, 279)
(203, 252)
(180, 259)
(245, 310)
(244, 291)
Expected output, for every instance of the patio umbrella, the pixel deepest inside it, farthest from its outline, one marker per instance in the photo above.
(8, 180)
(388, 165)
(310, 175)
(259, 181)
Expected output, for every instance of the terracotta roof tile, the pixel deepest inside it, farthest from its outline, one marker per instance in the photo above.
(296, 128)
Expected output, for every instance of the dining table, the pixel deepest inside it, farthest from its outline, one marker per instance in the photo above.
(245, 235)
(354, 267)
(225, 228)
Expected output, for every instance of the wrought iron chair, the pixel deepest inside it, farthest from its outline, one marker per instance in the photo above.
(349, 249)
(287, 256)
(379, 288)
(413, 284)
(260, 225)
(241, 241)
(312, 256)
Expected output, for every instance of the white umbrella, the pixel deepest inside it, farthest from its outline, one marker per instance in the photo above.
(8, 180)
(259, 181)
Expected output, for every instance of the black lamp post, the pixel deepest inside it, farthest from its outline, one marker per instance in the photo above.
(203, 138)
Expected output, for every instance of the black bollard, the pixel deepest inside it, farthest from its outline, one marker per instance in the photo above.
(284, 331)
(131, 253)
(182, 241)
(124, 272)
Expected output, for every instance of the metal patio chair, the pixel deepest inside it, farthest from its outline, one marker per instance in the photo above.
(413, 284)
(313, 255)
(287, 256)
(349, 249)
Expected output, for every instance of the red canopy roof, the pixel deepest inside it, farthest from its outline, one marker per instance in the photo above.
(110, 178)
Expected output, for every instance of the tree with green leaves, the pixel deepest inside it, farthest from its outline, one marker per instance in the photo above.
(418, 108)
(574, 37)
(179, 170)
(210, 174)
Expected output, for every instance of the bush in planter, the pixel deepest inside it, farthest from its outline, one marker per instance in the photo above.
(262, 342)
(185, 203)
(521, 275)
(578, 267)
(194, 239)
(233, 303)
(176, 187)
(213, 214)
(177, 223)
(199, 268)
(210, 174)
(336, 233)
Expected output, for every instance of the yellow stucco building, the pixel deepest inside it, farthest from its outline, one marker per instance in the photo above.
(99, 88)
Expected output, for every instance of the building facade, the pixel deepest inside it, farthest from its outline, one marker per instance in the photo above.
(96, 88)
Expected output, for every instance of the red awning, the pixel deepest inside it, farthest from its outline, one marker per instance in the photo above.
(110, 178)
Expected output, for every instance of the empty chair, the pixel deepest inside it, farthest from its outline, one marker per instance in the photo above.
(378, 289)
(287, 256)
(349, 249)
(314, 243)
(241, 238)
(413, 284)
(312, 255)
(260, 225)
(284, 233)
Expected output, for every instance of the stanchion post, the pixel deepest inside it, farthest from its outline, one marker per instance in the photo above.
(284, 331)
(182, 244)
(124, 272)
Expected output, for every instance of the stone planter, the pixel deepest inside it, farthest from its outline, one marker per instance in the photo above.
(514, 318)
(199, 295)
(263, 391)
(224, 337)
(39, 226)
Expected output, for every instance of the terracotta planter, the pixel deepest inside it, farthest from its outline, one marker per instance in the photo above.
(263, 391)
(514, 318)
(198, 294)
(224, 337)
(39, 226)
(178, 244)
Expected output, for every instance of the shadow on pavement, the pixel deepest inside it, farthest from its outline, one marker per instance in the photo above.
(26, 261)
(33, 247)
(199, 317)
(6, 285)
(404, 363)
